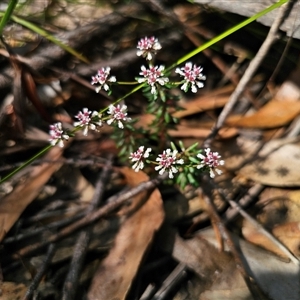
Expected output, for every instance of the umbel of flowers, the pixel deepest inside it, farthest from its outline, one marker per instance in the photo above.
(170, 161)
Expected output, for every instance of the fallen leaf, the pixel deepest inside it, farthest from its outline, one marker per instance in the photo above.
(12, 206)
(277, 164)
(183, 131)
(201, 104)
(12, 290)
(117, 271)
(273, 114)
(280, 214)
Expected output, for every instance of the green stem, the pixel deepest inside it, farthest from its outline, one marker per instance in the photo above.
(7, 14)
(122, 98)
(226, 33)
(28, 162)
(127, 83)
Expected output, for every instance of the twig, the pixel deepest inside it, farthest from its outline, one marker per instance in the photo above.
(173, 280)
(253, 287)
(114, 202)
(253, 66)
(251, 195)
(36, 280)
(54, 225)
(84, 237)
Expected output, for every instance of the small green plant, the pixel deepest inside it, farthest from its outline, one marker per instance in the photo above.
(156, 87)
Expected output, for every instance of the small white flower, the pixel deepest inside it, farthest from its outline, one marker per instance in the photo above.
(118, 113)
(138, 156)
(57, 135)
(102, 79)
(88, 120)
(212, 161)
(167, 162)
(152, 76)
(192, 76)
(147, 47)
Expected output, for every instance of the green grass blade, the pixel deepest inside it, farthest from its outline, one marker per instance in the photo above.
(28, 162)
(6, 16)
(49, 37)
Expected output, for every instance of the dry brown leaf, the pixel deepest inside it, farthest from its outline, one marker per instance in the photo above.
(14, 204)
(280, 214)
(277, 164)
(12, 290)
(183, 131)
(273, 114)
(116, 272)
(201, 104)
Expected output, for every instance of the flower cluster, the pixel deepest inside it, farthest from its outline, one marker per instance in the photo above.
(118, 113)
(152, 76)
(138, 156)
(147, 47)
(88, 120)
(212, 161)
(192, 76)
(57, 135)
(170, 161)
(167, 161)
(102, 78)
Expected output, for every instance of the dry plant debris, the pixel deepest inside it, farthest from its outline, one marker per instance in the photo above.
(75, 224)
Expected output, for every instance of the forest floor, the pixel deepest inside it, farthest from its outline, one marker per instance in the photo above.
(79, 223)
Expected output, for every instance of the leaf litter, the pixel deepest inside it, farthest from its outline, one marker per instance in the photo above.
(157, 244)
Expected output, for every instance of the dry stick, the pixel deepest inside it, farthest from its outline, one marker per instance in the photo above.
(212, 210)
(36, 280)
(48, 227)
(251, 195)
(173, 280)
(114, 202)
(84, 237)
(253, 66)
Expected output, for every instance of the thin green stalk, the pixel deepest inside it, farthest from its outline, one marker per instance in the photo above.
(227, 33)
(28, 162)
(7, 14)
(122, 98)
(32, 159)
(49, 37)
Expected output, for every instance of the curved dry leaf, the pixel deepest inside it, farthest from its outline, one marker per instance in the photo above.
(12, 290)
(281, 215)
(14, 204)
(117, 271)
(277, 164)
(273, 114)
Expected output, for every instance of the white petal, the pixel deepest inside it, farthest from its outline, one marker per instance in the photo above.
(194, 88)
(109, 121)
